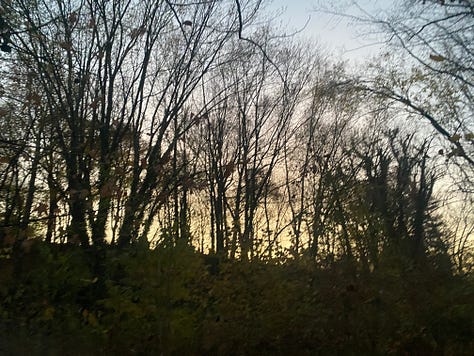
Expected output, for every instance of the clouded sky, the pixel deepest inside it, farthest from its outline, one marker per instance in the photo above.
(331, 31)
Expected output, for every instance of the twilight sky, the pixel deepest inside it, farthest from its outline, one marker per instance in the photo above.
(330, 31)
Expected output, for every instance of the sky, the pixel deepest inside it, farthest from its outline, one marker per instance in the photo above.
(330, 31)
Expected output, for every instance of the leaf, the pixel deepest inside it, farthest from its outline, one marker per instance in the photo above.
(469, 136)
(455, 152)
(437, 57)
(48, 313)
(455, 138)
(92, 320)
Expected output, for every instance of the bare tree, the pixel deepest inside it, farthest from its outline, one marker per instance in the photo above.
(427, 68)
(115, 76)
(314, 155)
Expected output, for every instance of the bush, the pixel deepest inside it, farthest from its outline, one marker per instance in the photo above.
(167, 301)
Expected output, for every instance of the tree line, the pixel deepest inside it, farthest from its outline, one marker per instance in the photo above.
(168, 122)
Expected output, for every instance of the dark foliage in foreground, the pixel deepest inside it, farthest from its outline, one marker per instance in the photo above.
(174, 301)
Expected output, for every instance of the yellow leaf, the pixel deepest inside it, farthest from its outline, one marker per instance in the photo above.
(92, 320)
(48, 313)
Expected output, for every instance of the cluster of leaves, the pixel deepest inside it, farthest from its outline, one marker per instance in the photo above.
(176, 301)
